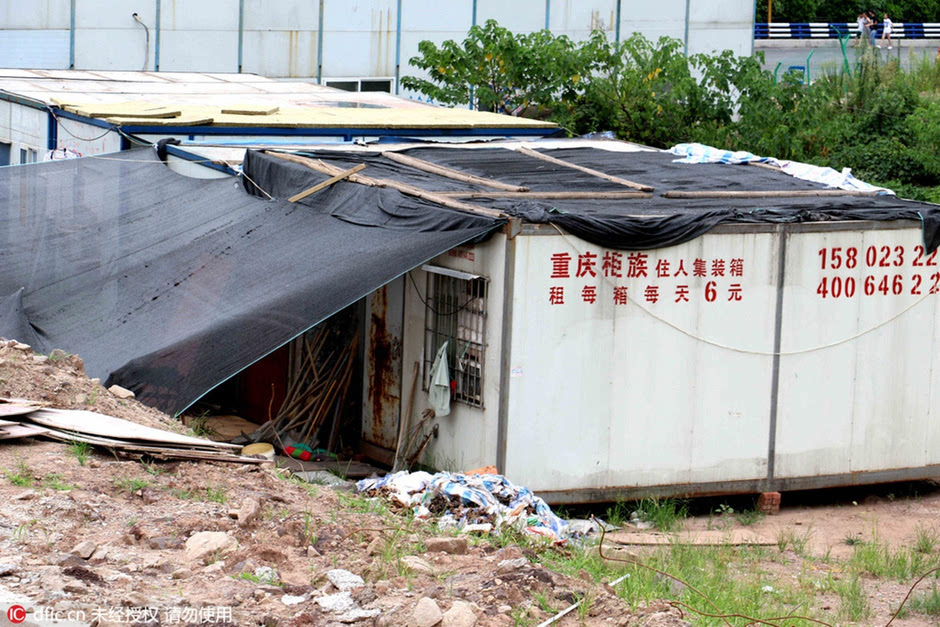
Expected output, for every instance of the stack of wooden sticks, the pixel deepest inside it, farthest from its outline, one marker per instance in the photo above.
(318, 393)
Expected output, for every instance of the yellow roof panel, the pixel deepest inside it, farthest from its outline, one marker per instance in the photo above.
(141, 113)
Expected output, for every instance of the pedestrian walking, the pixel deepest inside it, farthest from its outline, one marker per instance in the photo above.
(861, 24)
(872, 28)
(887, 27)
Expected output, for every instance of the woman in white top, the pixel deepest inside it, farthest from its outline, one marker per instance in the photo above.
(862, 22)
(886, 31)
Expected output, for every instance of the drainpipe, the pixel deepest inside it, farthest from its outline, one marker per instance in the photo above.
(548, 13)
(617, 30)
(241, 32)
(687, 27)
(398, 48)
(320, 47)
(72, 36)
(156, 45)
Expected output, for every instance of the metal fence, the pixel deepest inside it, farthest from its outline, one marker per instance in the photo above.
(834, 30)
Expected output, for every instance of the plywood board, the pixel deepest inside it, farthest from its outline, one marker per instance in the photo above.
(712, 537)
(90, 423)
(154, 451)
(13, 431)
(250, 110)
(16, 407)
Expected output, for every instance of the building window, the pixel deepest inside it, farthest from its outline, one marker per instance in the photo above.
(456, 314)
(363, 84)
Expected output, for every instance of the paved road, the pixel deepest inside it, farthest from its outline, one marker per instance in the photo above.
(829, 56)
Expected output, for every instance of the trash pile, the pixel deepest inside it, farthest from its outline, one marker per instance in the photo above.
(471, 503)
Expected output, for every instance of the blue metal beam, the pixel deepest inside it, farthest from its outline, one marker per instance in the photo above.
(686, 40)
(320, 47)
(188, 156)
(548, 13)
(72, 35)
(52, 131)
(156, 45)
(60, 113)
(241, 32)
(617, 30)
(398, 48)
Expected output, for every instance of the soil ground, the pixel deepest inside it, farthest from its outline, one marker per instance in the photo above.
(107, 536)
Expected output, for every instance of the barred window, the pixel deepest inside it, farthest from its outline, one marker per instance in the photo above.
(456, 314)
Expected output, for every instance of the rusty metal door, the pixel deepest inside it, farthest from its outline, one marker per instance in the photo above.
(382, 363)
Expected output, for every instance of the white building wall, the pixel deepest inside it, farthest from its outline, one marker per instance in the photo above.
(606, 394)
(467, 436)
(280, 39)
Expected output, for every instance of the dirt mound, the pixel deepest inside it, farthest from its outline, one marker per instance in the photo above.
(59, 381)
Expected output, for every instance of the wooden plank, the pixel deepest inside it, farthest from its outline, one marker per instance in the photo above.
(549, 195)
(10, 432)
(154, 451)
(349, 469)
(250, 110)
(603, 175)
(81, 421)
(335, 179)
(716, 537)
(795, 193)
(404, 188)
(17, 408)
(457, 175)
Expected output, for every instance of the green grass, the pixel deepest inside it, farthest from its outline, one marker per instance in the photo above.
(216, 495)
(749, 517)
(81, 451)
(925, 540)
(182, 493)
(788, 538)
(855, 605)
(54, 481)
(246, 576)
(666, 514)
(925, 603)
(363, 504)
(22, 476)
(131, 486)
(877, 558)
(199, 427)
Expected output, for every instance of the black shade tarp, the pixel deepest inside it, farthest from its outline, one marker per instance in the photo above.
(637, 224)
(168, 285)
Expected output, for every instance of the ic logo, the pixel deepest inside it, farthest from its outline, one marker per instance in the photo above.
(16, 614)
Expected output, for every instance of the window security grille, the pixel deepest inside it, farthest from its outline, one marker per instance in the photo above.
(456, 313)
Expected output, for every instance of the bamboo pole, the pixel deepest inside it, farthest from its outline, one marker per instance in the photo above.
(550, 195)
(334, 179)
(457, 175)
(404, 188)
(796, 193)
(607, 177)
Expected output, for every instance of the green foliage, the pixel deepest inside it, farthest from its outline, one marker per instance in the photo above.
(22, 476)
(847, 10)
(131, 485)
(926, 603)
(878, 119)
(503, 72)
(665, 514)
(81, 451)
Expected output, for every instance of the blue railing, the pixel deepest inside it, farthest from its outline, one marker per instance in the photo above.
(834, 30)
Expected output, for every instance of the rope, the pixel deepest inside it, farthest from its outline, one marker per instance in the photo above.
(748, 351)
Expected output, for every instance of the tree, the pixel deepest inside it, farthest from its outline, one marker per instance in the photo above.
(499, 71)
